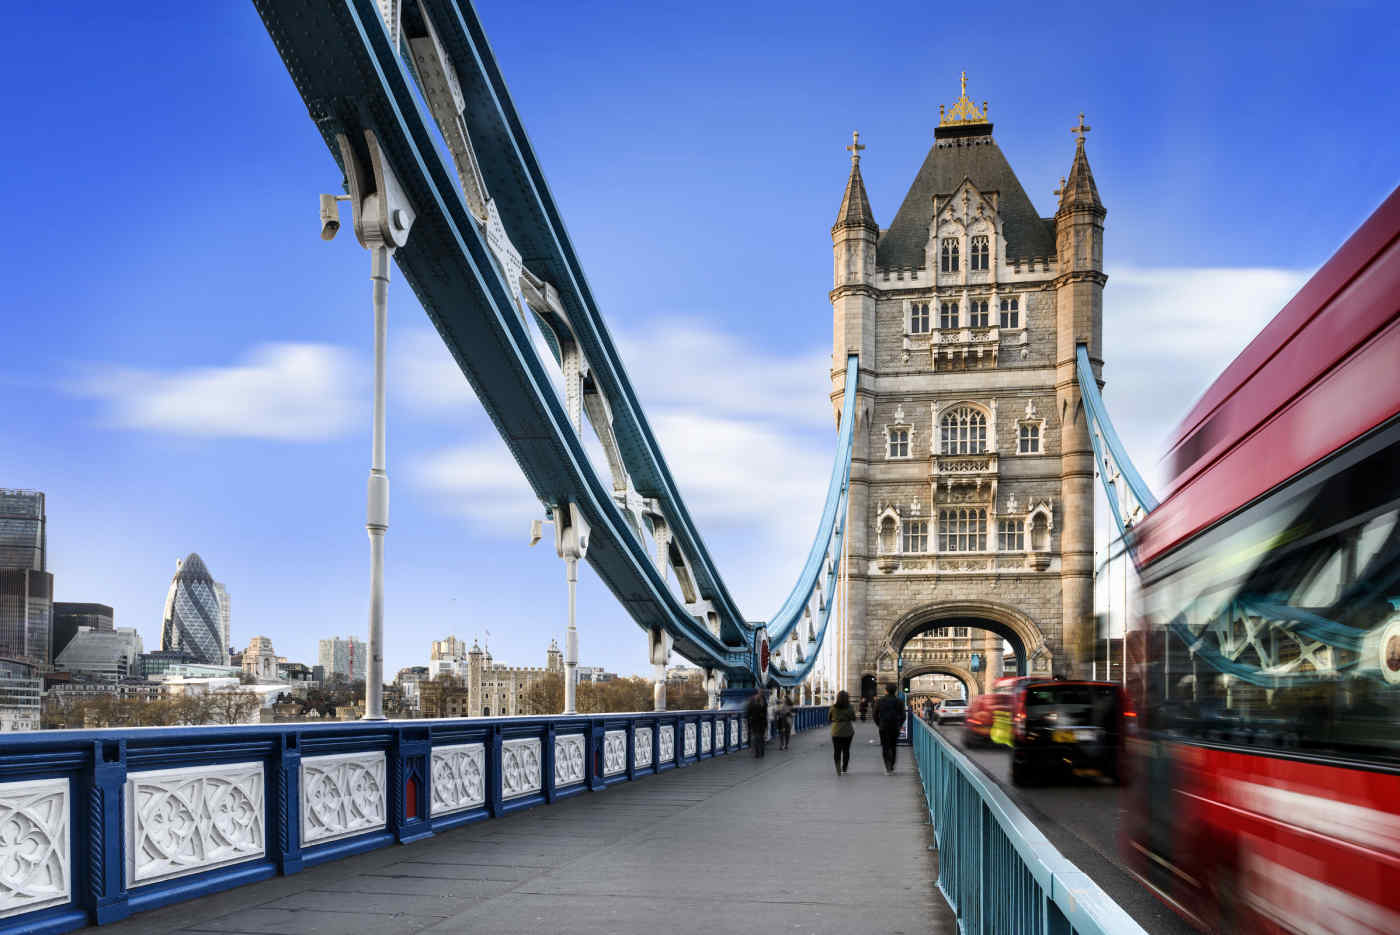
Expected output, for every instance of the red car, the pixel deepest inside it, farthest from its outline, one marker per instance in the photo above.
(979, 726)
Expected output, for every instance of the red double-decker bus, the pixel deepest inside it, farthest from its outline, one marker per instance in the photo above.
(1265, 660)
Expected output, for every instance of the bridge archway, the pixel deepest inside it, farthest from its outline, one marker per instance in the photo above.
(962, 674)
(1026, 640)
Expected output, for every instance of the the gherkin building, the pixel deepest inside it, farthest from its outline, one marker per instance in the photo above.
(193, 622)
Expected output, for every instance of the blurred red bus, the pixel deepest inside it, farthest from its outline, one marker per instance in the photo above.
(1265, 662)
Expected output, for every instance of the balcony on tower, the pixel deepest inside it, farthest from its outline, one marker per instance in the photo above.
(964, 348)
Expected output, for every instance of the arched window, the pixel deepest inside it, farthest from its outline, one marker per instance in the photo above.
(949, 257)
(980, 254)
(964, 432)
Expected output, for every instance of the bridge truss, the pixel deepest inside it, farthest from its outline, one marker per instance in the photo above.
(410, 102)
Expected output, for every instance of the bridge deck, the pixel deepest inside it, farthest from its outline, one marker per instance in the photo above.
(729, 844)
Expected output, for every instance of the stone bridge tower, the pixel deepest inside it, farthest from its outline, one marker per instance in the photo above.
(971, 482)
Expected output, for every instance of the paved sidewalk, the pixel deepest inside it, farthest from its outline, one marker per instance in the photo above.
(730, 844)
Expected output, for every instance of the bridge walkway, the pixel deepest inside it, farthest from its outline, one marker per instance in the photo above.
(729, 844)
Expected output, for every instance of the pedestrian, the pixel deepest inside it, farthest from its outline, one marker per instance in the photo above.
(863, 703)
(756, 712)
(784, 716)
(843, 729)
(889, 718)
(928, 710)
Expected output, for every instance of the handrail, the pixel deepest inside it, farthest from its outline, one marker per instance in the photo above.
(997, 870)
(122, 820)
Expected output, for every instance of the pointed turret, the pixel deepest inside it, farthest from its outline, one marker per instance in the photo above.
(1078, 192)
(855, 204)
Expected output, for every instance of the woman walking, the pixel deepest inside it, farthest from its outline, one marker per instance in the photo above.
(843, 728)
(783, 718)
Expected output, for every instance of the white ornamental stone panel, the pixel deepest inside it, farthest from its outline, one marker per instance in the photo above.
(342, 794)
(705, 727)
(641, 747)
(520, 767)
(689, 746)
(614, 752)
(743, 731)
(734, 732)
(35, 851)
(666, 744)
(458, 777)
(190, 819)
(568, 760)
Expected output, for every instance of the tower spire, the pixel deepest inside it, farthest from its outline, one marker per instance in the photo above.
(1079, 190)
(855, 204)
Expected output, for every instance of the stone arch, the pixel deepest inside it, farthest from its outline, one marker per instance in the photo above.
(1015, 627)
(960, 673)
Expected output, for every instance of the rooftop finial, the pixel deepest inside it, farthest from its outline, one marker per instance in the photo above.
(1082, 129)
(964, 111)
(855, 147)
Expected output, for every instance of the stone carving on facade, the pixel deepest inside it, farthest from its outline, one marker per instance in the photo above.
(458, 777)
(569, 759)
(614, 752)
(35, 846)
(688, 747)
(704, 736)
(342, 794)
(666, 744)
(734, 733)
(641, 747)
(520, 767)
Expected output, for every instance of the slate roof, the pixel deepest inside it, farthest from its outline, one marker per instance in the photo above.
(959, 153)
(1079, 190)
(855, 204)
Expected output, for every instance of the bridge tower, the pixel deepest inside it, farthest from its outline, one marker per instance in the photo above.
(971, 479)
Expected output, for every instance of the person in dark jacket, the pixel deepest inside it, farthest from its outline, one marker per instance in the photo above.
(889, 718)
(843, 729)
(756, 712)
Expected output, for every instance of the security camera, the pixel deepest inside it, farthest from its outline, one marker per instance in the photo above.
(536, 531)
(330, 216)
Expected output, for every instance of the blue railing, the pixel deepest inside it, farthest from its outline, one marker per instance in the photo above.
(96, 825)
(995, 868)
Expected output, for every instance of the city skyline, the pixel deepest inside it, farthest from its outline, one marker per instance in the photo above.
(223, 374)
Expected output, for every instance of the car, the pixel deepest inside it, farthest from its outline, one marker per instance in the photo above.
(981, 727)
(1063, 728)
(950, 709)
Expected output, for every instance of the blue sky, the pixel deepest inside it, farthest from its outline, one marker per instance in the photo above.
(186, 363)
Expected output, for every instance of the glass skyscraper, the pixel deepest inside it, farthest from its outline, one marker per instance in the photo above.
(26, 587)
(193, 621)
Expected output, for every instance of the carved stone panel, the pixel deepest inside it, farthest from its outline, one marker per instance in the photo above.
(568, 760)
(705, 728)
(342, 795)
(520, 767)
(689, 747)
(743, 731)
(641, 747)
(666, 744)
(614, 752)
(459, 777)
(35, 850)
(192, 818)
(734, 732)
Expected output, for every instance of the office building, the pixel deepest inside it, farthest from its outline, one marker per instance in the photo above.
(107, 655)
(345, 657)
(69, 618)
(26, 587)
(21, 688)
(221, 594)
(192, 621)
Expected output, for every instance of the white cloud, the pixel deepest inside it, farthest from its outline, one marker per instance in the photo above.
(1168, 333)
(287, 392)
(424, 376)
(481, 482)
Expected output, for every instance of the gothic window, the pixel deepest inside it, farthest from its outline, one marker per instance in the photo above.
(1030, 438)
(964, 432)
(1012, 535)
(948, 315)
(918, 318)
(977, 260)
(962, 530)
(949, 261)
(899, 443)
(1011, 312)
(978, 317)
(916, 536)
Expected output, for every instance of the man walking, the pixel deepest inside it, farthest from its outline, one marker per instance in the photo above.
(756, 713)
(889, 718)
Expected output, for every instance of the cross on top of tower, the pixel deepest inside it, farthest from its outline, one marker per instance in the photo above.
(1082, 129)
(964, 111)
(855, 147)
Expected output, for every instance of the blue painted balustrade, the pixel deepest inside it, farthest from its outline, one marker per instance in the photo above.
(999, 873)
(96, 825)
